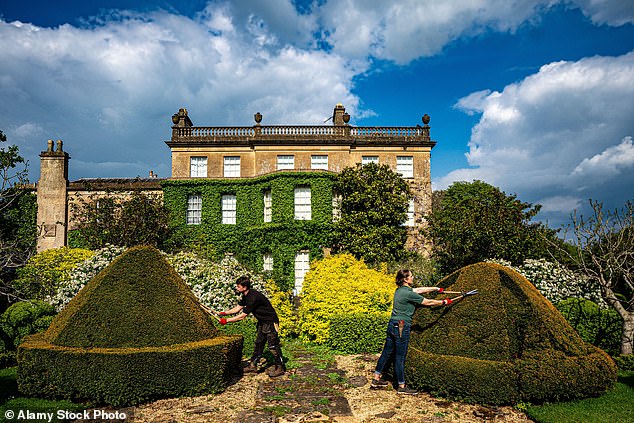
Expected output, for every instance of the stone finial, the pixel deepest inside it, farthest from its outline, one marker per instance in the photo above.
(258, 118)
(60, 143)
(426, 119)
(181, 118)
(49, 149)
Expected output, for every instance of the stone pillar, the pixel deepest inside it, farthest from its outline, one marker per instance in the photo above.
(52, 206)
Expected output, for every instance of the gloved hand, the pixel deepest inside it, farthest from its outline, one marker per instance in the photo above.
(447, 301)
(440, 290)
(222, 313)
(223, 321)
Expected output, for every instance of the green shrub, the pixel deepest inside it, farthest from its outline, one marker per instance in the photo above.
(599, 326)
(46, 271)
(126, 376)
(625, 362)
(338, 283)
(358, 333)
(247, 329)
(25, 318)
(133, 333)
(506, 344)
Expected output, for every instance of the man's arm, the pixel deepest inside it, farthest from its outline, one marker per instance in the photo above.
(236, 309)
(427, 289)
(237, 318)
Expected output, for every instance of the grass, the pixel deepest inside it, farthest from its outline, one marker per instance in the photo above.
(10, 399)
(615, 406)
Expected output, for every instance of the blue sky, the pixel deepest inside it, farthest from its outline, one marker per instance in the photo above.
(534, 96)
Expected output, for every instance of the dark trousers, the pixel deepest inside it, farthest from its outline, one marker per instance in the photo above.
(267, 333)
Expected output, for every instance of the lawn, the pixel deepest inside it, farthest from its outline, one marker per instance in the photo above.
(615, 406)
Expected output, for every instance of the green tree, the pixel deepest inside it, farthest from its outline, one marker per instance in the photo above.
(604, 252)
(374, 202)
(474, 221)
(18, 231)
(138, 219)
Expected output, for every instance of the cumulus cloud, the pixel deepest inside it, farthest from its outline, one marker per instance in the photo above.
(559, 136)
(406, 30)
(108, 89)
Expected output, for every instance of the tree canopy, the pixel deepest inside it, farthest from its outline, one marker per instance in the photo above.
(374, 203)
(474, 221)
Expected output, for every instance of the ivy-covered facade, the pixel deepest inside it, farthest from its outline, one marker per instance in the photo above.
(277, 222)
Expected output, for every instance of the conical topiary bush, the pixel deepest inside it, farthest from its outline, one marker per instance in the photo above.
(505, 345)
(135, 332)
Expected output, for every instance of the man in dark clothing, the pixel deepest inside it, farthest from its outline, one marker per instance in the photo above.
(254, 302)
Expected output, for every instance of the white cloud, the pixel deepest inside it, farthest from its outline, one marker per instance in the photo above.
(109, 90)
(611, 12)
(554, 135)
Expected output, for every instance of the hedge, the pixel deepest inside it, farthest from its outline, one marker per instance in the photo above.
(134, 332)
(506, 344)
(358, 333)
(126, 376)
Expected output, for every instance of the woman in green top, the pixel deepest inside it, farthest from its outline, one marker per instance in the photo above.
(406, 299)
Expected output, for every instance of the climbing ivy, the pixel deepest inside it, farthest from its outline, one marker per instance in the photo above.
(250, 238)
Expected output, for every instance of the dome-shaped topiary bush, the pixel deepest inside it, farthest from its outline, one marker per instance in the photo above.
(135, 332)
(505, 345)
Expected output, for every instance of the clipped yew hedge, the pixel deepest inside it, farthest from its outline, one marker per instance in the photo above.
(505, 345)
(134, 333)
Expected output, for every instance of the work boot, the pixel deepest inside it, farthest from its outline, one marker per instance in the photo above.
(251, 368)
(276, 371)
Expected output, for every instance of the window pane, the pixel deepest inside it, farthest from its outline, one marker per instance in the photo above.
(268, 262)
(405, 166)
(198, 167)
(229, 209)
(302, 265)
(302, 204)
(268, 206)
(319, 162)
(285, 162)
(369, 159)
(194, 207)
(410, 214)
(232, 167)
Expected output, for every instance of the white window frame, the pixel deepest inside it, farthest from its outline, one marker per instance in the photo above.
(302, 203)
(267, 262)
(194, 209)
(410, 222)
(198, 166)
(229, 207)
(231, 166)
(369, 159)
(302, 266)
(336, 206)
(268, 206)
(285, 162)
(405, 166)
(319, 161)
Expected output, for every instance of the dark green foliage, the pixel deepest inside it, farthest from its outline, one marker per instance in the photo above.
(140, 219)
(475, 221)
(625, 362)
(125, 376)
(250, 238)
(504, 345)
(133, 333)
(24, 318)
(598, 326)
(137, 301)
(358, 333)
(18, 230)
(374, 202)
(247, 329)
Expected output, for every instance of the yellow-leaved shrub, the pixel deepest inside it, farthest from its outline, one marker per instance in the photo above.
(341, 284)
(281, 302)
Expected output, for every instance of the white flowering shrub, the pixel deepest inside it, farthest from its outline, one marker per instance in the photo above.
(82, 273)
(554, 281)
(213, 283)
